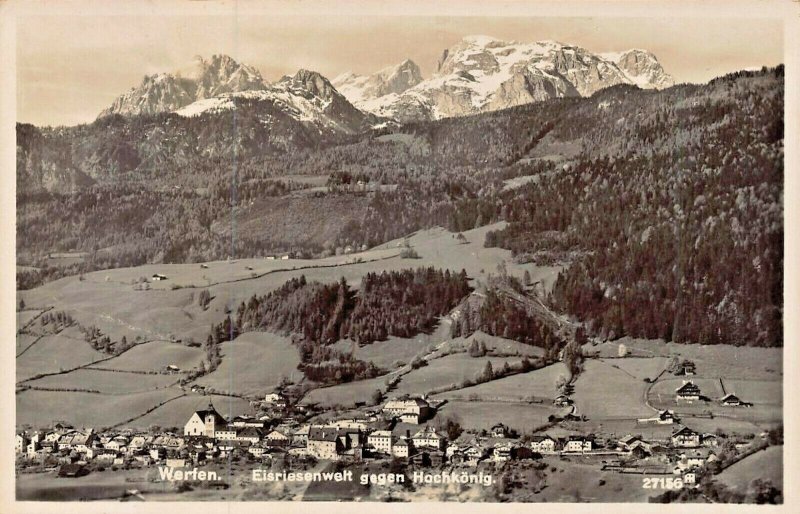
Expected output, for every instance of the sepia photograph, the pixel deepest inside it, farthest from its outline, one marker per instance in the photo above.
(295, 251)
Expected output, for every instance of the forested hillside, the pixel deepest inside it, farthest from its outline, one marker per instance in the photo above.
(664, 206)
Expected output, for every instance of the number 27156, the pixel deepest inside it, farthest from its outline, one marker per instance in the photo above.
(662, 483)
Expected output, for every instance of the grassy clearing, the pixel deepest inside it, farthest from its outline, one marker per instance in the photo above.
(53, 353)
(485, 414)
(155, 356)
(603, 391)
(253, 364)
(388, 354)
(640, 368)
(110, 382)
(447, 371)
(24, 317)
(41, 408)
(578, 481)
(766, 465)
(540, 383)
(346, 395)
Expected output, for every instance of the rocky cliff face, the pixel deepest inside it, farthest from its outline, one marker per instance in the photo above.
(165, 92)
(481, 73)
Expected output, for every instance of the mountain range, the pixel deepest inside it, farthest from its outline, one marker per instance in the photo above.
(478, 74)
(481, 74)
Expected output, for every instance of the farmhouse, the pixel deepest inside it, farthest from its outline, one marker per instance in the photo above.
(205, 423)
(731, 400)
(688, 392)
(159, 276)
(685, 437)
(543, 444)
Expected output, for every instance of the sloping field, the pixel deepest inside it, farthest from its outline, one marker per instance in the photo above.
(540, 383)
(711, 360)
(177, 412)
(347, 394)
(447, 371)
(155, 356)
(41, 408)
(640, 368)
(387, 354)
(603, 391)
(766, 464)
(25, 316)
(111, 382)
(253, 364)
(23, 341)
(504, 346)
(485, 414)
(53, 353)
(758, 392)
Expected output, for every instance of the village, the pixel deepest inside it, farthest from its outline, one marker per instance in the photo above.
(403, 431)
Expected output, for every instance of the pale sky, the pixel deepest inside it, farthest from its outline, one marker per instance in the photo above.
(71, 67)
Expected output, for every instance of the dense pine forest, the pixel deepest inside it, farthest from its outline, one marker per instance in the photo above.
(663, 207)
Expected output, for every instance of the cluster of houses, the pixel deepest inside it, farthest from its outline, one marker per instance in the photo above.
(395, 430)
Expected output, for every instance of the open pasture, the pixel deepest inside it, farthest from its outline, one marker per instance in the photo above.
(346, 395)
(41, 408)
(484, 414)
(253, 364)
(639, 368)
(110, 382)
(766, 465)
(711, 360)
(388, 354)
(53, 353)
(447, 371)
(155, 356)
(540, 383)
(602, 391)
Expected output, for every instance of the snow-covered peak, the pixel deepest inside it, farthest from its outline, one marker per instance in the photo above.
(482, 73)
(391, 80)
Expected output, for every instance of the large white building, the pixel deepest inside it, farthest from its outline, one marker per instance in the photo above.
(411, 410)
(381, 440)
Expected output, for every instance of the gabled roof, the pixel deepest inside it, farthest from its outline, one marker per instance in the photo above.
(427, 432)
(688, 387)
(729, 397)
(684, 431)
(252, 432)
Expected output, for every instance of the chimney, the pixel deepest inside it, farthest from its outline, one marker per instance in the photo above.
(408, 434)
